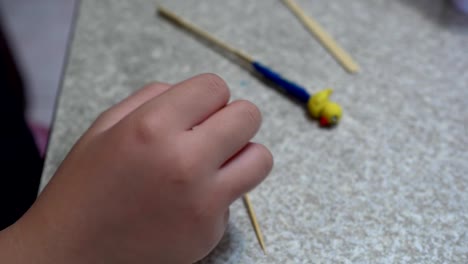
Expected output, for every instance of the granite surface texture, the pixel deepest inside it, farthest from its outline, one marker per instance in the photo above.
(388, 185)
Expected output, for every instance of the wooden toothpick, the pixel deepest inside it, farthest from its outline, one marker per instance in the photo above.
(255, 224)
(325, 39)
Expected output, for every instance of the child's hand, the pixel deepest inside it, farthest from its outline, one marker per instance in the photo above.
(151, 181)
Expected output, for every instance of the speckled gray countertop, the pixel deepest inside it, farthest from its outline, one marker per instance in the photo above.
(389, 185)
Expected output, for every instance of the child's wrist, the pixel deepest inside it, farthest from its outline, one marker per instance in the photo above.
(29, 240)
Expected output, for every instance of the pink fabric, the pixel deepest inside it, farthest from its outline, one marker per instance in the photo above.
(41, 136)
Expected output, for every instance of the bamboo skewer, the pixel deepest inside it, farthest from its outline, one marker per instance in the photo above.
(324, 38)
(296, 91)
(173, 17)
(255, 224)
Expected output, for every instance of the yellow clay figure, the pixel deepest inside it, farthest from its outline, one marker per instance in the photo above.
(328, 113)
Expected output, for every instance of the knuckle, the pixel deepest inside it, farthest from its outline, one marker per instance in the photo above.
(145, 129)
(251, 111)
(155, 86)
(217, 86)
(103, 116)
(185, 167)
(198, 211)
(188, 165)
(101, 122)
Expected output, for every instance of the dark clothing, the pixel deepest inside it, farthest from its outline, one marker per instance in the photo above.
(20, 162)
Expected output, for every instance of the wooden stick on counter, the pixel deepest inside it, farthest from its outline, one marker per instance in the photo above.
(325, 39)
